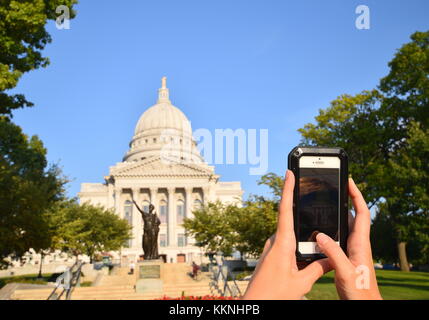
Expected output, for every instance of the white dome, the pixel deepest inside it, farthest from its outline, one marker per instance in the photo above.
(163, 130)
(163, 116)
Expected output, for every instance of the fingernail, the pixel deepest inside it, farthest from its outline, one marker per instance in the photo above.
(287, 171)
(322, 238)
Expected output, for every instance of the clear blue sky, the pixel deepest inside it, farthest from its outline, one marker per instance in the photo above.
(230, 64)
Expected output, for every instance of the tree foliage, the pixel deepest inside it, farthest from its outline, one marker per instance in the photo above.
(227, 228)
(28, 187)
(23, 36)
(211, 227)
(87, 229)
(385, 133)
(254, 223)
(352, 123)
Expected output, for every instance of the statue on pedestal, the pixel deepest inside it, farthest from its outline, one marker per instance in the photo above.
(150, 232)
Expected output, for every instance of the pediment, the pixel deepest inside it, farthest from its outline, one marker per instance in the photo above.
(156, 167)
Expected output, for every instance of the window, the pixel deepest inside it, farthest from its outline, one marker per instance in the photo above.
(145, 206)
(163, 211)
(128, 216)
(162, 240)
(198, 204)
(181, 240)
(180, 213)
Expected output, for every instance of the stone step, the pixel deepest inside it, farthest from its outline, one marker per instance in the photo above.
(120, 288)
(114, 291)
(103, 292)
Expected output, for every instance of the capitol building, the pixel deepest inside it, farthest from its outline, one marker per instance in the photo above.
(163, 167)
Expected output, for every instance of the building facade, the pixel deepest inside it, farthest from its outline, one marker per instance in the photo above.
(163, 167)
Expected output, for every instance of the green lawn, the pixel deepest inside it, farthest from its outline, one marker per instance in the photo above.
(33, 279)
(394, 285)
(30, 278)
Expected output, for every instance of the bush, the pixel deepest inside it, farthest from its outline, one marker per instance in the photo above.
(243, 274)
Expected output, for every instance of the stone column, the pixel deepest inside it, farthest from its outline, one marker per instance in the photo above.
(117, 202)
(136, 218)
(171, 223)
(153, 198)
(205, 195)
(188, 210)
(188, 202)
(110, 192)
(154, 202)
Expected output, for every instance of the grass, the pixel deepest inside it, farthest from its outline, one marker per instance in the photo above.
(33, 279)
(30, 278)
(394, 285)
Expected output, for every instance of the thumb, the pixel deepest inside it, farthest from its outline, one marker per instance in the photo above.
(316, 269)
(337, 258)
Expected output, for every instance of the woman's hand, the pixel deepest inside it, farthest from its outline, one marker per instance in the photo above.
(277, 276)
(354, 275)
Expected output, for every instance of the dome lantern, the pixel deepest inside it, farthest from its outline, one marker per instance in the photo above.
(160, 124)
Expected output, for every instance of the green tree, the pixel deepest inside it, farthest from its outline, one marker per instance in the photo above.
(353, 123)
(384, 238)
(23, 36)
(87, 229)
(226, 228)
(28, 187)
(274, 182)
(405, 112)
(254, 223)
(211, 228)
(384, 133)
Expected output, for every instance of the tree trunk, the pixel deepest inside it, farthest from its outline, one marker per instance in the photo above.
(40, 268)
(402, 254)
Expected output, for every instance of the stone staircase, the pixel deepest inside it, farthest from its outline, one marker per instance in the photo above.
(120, 286)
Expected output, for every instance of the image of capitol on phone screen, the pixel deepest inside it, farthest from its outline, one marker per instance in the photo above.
(318, 205)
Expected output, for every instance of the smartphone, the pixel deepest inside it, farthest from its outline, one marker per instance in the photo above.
(320, 202)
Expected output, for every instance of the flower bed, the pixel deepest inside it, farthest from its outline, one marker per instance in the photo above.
(206, 297)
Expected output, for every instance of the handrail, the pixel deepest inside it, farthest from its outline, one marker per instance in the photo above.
(220, 280)
(67, 281)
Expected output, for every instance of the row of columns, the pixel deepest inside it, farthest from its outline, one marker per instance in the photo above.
(171, 207)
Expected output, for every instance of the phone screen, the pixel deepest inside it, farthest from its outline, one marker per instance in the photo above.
(318, 208)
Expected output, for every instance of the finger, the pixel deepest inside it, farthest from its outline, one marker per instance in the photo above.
(337, 258)
(268, 244)
(362, 223)
(285, 221)
(316, 269)
(267, 247)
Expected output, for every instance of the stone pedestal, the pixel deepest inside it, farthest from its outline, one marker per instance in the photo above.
(149, 276)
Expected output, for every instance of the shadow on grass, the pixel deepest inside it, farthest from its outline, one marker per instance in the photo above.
(385, 282)
(31, 279)
(326, 280)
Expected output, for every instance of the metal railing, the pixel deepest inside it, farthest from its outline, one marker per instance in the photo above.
(67, 282)
(223, 281)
